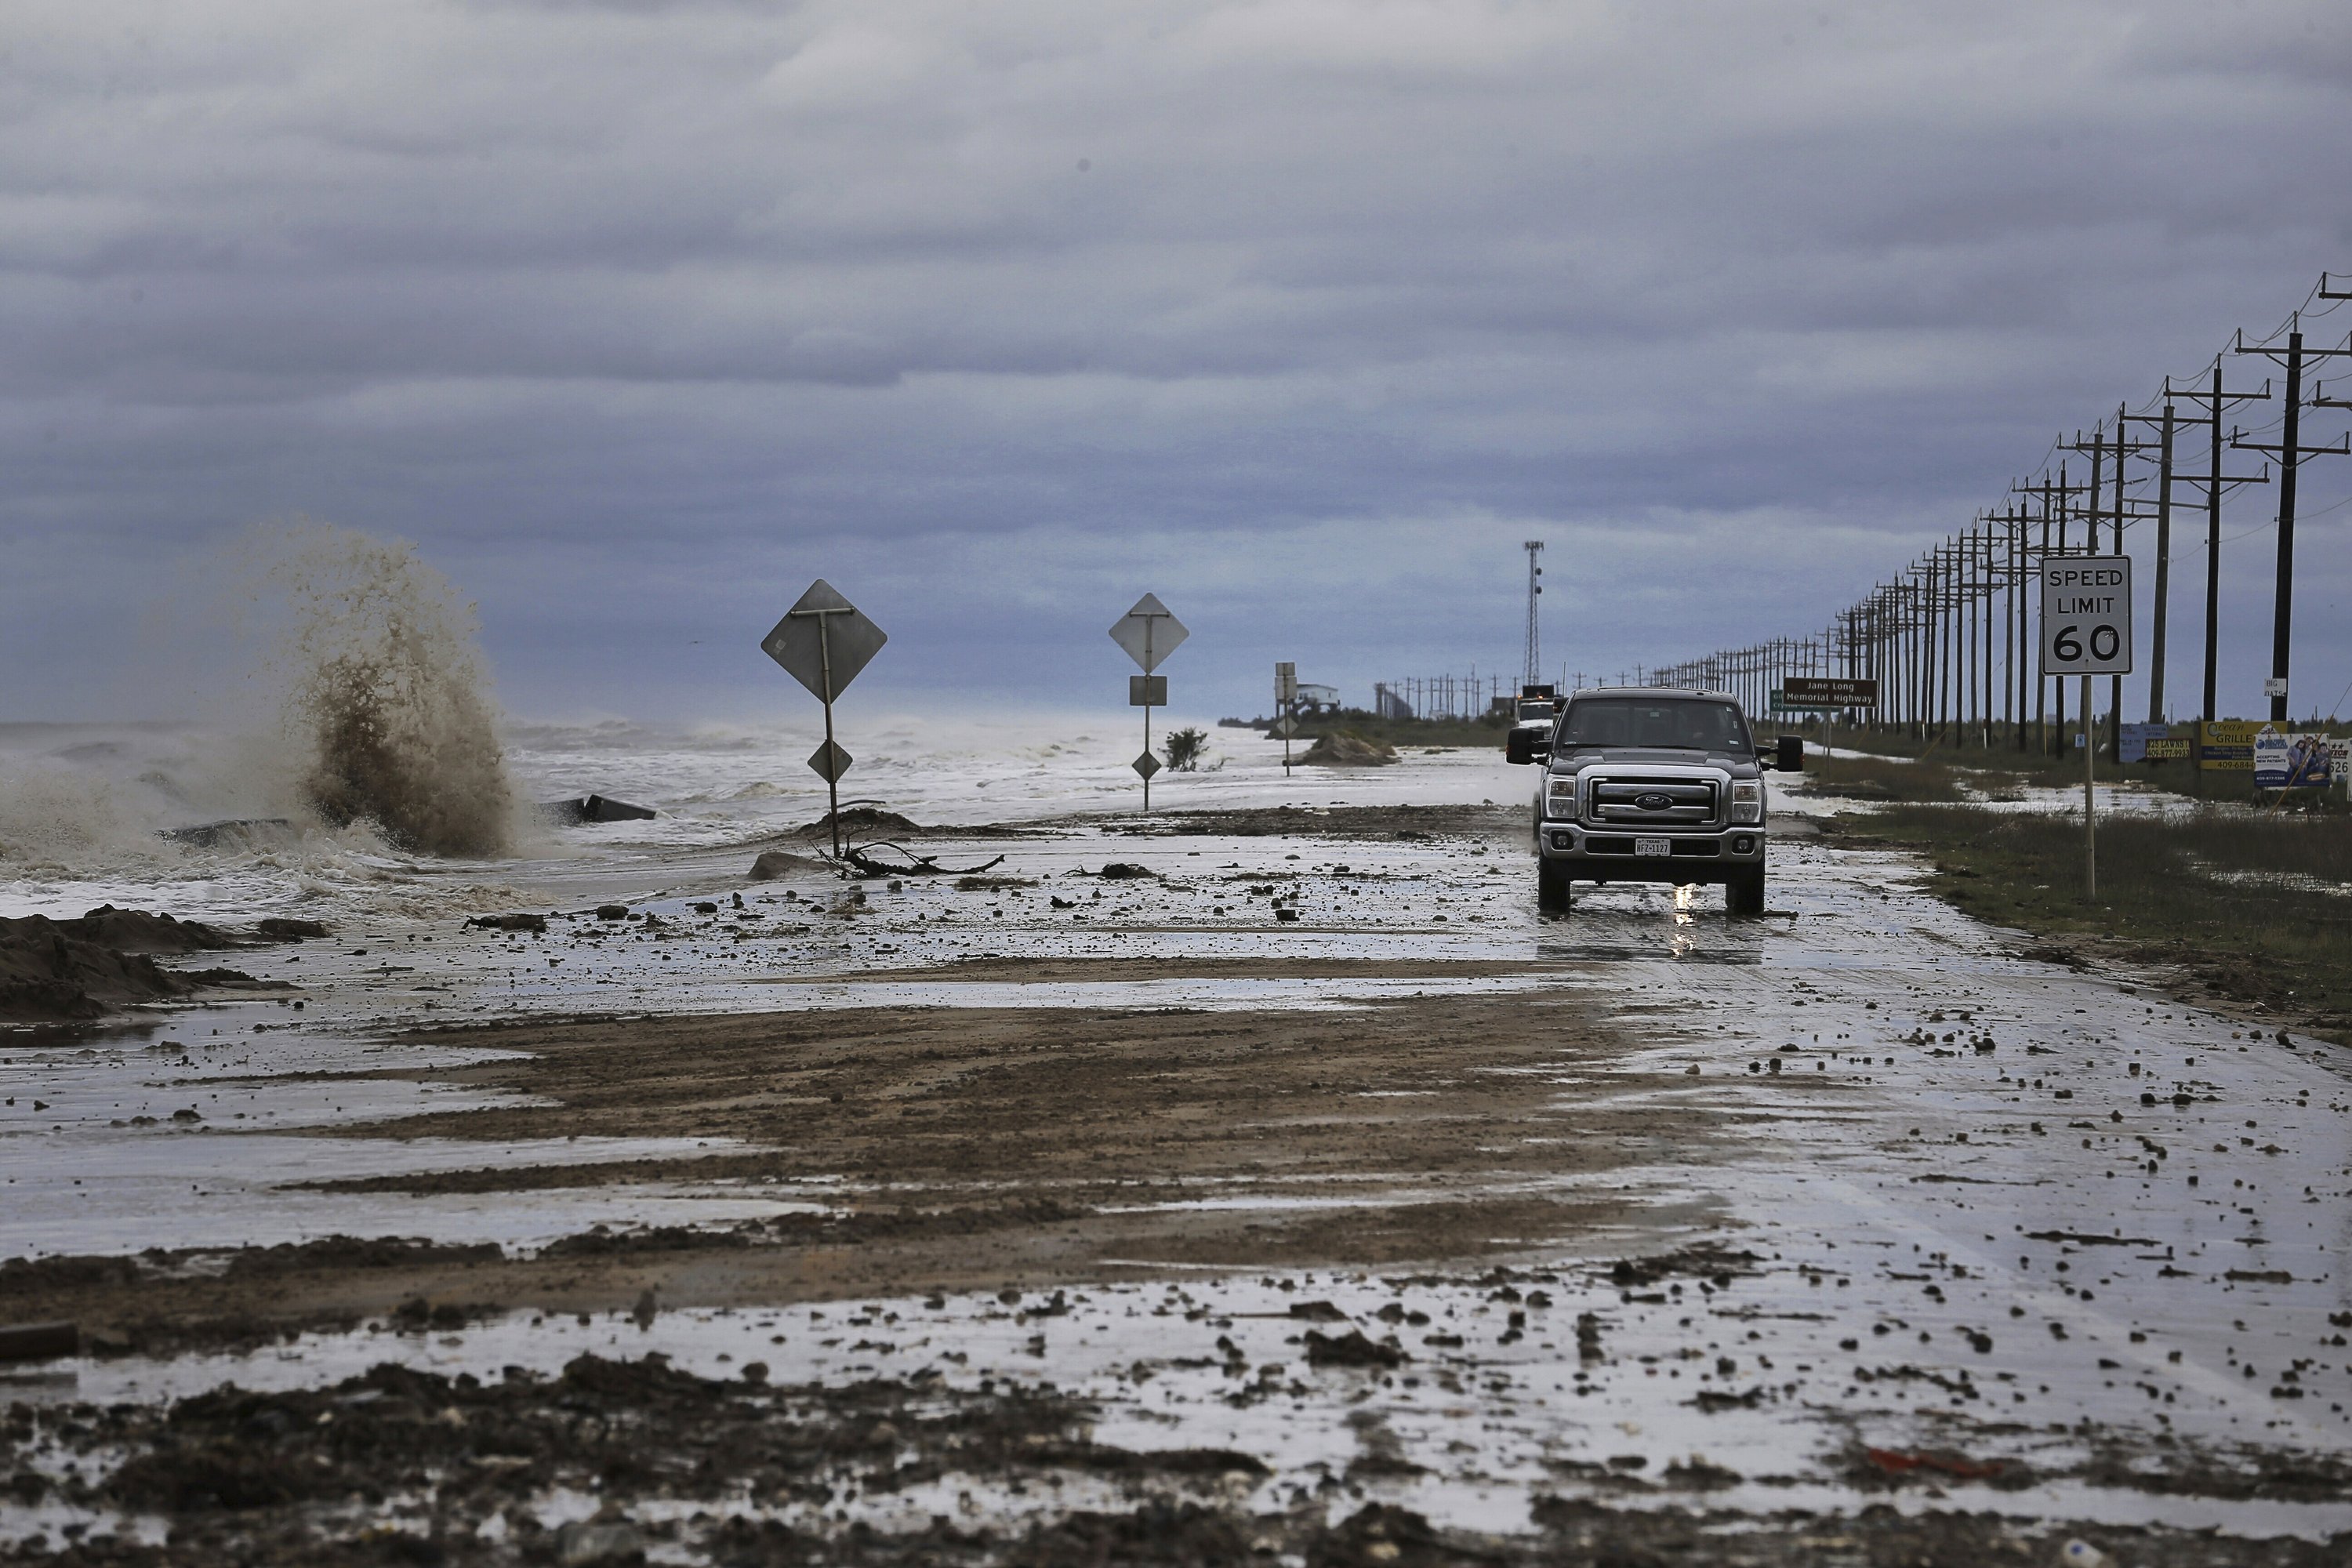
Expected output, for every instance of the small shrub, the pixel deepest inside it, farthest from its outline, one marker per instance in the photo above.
(1187, 749)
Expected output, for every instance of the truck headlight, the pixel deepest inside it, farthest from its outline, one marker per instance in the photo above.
(1747, 800)
(1560, 796)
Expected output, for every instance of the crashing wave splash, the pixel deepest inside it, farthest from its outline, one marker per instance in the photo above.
(387, 692)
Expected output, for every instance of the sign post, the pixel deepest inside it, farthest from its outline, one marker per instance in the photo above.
(2086, 631)
(822, 642)
(1149, 632)
(1286, 697)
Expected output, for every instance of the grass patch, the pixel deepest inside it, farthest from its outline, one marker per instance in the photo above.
(2249, 907)
(2002, 766)
(1881, 779)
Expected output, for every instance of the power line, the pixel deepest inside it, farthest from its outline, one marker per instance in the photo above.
(1927, 635)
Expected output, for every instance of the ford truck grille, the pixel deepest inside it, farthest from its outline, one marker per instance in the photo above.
(1631, 800)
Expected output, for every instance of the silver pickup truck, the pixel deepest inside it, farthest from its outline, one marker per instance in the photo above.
(1652, 784)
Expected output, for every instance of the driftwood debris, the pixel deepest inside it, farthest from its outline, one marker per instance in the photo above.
(862, 856)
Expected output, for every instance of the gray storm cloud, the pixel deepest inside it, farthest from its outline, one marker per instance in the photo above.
(637, 316)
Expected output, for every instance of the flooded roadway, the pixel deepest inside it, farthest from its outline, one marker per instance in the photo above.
(1983, 1233)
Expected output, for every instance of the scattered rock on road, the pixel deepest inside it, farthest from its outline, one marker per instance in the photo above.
(777, 864)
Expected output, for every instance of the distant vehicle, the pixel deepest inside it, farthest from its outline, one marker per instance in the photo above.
(1651, 784)
(1535, 705)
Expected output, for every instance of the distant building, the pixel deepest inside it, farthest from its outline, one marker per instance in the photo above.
(1317, 699)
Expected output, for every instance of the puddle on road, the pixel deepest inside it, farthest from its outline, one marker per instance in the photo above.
(107, 1149)
(201, 1192)
(83, 1171)
(1994, 1207)
(2089, 1179)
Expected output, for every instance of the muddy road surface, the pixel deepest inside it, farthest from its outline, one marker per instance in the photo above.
(1264, 1185)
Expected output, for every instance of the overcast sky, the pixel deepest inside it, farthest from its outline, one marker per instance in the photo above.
(1302, 313)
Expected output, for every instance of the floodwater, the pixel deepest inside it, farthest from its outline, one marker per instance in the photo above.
(1970, 1202)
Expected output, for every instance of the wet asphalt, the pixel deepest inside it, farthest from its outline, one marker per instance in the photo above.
(1984, 1226)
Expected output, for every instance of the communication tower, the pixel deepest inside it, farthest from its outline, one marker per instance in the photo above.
(1534, 672)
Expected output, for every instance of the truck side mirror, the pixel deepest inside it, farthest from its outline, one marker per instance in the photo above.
(1792, 753)
(1519, 746)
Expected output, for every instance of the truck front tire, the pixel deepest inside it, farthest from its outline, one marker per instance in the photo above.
(1744, 894)
(1551, 886)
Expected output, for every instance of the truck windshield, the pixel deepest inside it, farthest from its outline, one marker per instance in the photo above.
(1687, 723)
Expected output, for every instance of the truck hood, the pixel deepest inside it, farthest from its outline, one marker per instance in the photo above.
(1653, 757)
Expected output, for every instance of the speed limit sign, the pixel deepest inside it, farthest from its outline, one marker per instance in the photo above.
(2086, 614)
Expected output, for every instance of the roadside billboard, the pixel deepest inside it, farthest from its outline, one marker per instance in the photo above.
(2309, 759)
(2283, 760)
(2229, 745)
(2135, 744)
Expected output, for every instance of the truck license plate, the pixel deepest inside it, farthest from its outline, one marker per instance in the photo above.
(1653, 846)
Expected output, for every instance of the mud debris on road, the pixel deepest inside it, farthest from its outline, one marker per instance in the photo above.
(1074, 1218)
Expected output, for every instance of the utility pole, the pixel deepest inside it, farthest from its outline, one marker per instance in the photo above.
(1982, 545)
(1932, 647)
(2163, 566)
(1968, 614)
(2057, 506)
(1924, 643)
(2024, 606)
(1982, 596)
(2291, 455)
(2115, 682)
(1948, 643)
(1914, 591)
(1965, 708)
(1877, 663)
(2090, 547)
(1931, 667)
(1985, 578)
(1947, 704)
(2011, 680)
(2058, 686)
(1969, 645)
(1991, 603)
(2101, 448)
(2041, 685)
(2216, 402)
(2163, 550)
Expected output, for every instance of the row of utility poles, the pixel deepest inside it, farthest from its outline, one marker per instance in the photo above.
(1948, 638)
(1464, 696)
